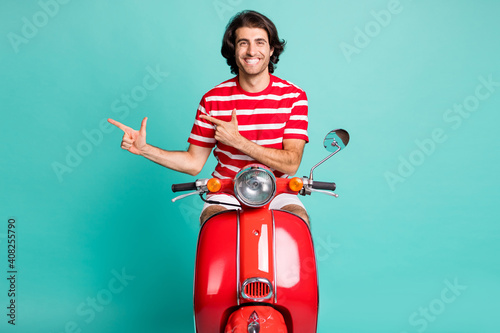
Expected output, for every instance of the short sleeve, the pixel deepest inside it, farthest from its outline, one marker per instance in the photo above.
(296, 127)
(202, 133)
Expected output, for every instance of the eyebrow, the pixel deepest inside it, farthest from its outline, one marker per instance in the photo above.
(247, 40)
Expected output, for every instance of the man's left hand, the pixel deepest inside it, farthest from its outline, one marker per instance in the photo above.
(226, 132)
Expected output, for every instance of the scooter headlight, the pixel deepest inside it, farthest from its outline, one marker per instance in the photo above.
(255, 186)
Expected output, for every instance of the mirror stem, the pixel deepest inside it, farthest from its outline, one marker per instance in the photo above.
(323, 160)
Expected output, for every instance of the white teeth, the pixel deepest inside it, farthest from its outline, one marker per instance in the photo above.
(252, 61)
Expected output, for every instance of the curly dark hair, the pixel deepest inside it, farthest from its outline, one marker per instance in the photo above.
(251, 19)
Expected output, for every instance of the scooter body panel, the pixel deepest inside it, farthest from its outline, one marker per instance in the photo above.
(296, 274)
(215, 281)
(273, 245)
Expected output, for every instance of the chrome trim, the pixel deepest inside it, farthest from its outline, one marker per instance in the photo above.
(253, 323)
(274, 259)
(242, 199)
(256, 279)
(323, 160)
(238, 259)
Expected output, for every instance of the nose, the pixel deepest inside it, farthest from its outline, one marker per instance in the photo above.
(252, 49)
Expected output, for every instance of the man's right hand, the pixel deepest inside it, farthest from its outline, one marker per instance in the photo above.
(190, 161)
(133, 141)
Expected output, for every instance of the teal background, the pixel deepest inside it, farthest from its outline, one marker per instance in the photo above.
(388, 248)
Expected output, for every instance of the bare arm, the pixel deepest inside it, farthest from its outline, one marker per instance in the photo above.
(286, 160)
(190, 161)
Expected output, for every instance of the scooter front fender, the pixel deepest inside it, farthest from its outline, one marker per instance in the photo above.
(262, 318)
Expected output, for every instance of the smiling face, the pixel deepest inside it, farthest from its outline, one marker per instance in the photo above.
(252, 52)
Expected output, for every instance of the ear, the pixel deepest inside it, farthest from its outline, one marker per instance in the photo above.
(272, 51)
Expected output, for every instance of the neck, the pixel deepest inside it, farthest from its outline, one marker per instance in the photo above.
(254, 83)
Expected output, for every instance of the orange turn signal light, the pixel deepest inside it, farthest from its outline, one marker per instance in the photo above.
(295, 184)
(214, 185)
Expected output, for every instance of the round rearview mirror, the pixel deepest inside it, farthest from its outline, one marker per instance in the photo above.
(336, 139)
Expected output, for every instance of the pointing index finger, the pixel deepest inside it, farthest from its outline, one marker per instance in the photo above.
(119, 125)
(211, 119)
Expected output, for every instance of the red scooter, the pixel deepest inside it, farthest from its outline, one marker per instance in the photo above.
(255, 268)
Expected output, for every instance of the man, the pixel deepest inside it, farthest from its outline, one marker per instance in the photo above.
(253, 117)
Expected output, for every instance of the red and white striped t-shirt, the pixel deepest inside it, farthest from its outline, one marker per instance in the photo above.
(266, 118)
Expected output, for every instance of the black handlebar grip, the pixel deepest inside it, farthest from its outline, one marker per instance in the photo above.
(183, 187)
(324, 186)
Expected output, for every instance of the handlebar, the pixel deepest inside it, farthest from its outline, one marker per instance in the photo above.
(200, 187)
(184, 187)
(324, 186)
